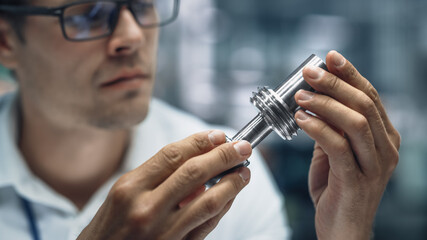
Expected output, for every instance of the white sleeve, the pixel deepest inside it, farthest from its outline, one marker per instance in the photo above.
(258, 212)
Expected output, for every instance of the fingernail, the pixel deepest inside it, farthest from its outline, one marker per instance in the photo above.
(243, 148)
(304, 95)
(338, 59)
(302, 116)
(216, 137)
(314, 73)
(244, 173)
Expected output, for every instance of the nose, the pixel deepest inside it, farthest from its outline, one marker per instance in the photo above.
(127, 37)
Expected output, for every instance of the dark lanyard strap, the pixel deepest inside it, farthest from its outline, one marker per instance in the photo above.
(30, 217)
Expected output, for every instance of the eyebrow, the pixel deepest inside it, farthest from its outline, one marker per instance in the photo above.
(72, 1)
(61, 3)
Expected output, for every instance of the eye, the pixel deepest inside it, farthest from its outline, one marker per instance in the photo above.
(143, 6)
(88, 15)
(145, 11)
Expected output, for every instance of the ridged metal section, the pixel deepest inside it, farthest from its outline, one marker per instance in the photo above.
(275, 112)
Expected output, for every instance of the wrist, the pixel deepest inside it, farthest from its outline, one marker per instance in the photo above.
(361, 230)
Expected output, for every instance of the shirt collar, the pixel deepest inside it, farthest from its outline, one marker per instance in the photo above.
(8, 140)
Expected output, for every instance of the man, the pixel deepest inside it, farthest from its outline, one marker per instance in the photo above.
(82, 119)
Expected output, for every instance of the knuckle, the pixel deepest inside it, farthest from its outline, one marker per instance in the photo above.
(224, 155)
(237, 185)
(367, 104)
(360, 124)
(396, 138)
(143, 216)
(352, 72)
(372, 92)
(323, 130)
(333, 83)
(121, 192)
(212, 206)
(329, 103)
(394, 160)
(342, 148)
(172, 154)
(192, 172)
(201, 142)
(349, 167)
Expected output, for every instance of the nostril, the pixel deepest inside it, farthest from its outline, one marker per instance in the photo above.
(121, 49)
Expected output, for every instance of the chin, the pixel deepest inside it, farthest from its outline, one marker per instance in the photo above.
(123, 119)
(123, 113)
(121, 123)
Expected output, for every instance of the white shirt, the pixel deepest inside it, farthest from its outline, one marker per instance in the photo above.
(257, 213)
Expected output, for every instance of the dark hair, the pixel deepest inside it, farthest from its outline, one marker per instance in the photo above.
(16, 21)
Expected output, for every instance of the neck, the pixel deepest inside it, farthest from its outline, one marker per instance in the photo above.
(75, 162)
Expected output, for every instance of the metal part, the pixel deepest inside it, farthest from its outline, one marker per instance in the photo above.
(277, 108)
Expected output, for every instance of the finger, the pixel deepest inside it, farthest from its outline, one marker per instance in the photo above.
(192, 196)
(198, 170)
(342, 68)
(333, 86)
(318, 174)
(213, 202)
(171, 157)
(203, 230)
(341, 160)
(354, 124)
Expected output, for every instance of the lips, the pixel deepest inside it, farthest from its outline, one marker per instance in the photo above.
(130, 79)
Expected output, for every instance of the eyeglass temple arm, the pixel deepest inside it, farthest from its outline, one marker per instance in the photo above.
(31, 10)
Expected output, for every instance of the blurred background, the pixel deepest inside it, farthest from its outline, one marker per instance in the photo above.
(220, 51)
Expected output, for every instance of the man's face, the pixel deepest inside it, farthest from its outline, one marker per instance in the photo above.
(105, 83)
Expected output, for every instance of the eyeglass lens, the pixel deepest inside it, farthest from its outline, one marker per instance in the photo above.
(96, 19)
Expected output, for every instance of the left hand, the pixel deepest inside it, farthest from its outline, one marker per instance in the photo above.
(356, 148)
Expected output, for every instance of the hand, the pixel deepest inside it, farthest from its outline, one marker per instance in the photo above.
(162, 199)
(356, 148)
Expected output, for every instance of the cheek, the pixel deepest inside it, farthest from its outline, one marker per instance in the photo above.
(47, 52)
(152, 41)
(56, 71)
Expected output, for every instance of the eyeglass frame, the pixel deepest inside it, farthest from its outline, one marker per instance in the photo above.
(59, 12)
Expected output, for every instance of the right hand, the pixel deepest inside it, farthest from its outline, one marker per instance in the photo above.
(147, 203)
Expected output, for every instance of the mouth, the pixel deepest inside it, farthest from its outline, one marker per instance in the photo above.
(126, 81)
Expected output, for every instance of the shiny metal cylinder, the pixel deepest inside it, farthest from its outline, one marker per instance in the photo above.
(277, 108)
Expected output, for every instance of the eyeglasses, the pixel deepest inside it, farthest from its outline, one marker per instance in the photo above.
(89, 20)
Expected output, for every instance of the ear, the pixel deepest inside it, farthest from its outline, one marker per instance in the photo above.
(8, 44)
